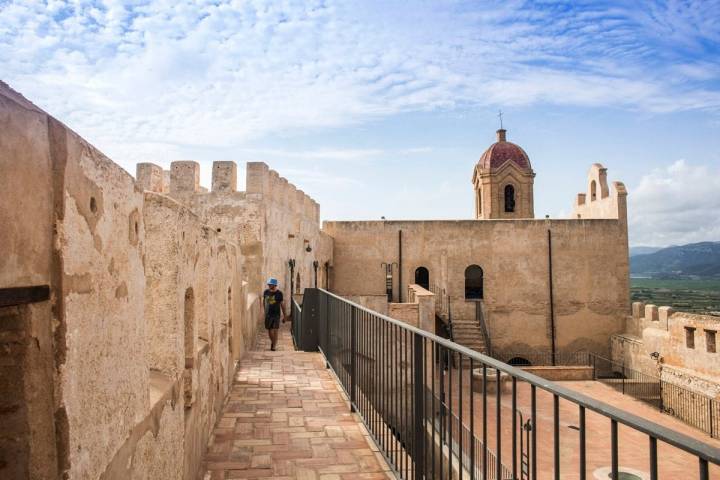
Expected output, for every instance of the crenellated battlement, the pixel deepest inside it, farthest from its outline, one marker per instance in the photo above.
(261, 179)
(261, 183)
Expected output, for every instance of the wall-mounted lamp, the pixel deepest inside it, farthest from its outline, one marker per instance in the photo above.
(655, 356)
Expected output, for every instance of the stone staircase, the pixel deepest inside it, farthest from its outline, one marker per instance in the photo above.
(469, 334)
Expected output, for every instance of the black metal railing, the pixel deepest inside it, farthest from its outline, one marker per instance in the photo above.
(696, 409)
(543, 358)
(385, 367)
(296, 325)
(693, 408)
(483, 326)
(459, 439)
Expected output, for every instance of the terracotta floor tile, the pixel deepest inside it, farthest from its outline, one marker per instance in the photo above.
(286, 417)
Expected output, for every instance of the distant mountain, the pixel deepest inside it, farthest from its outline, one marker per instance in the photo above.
(643, 250)
(695, 259)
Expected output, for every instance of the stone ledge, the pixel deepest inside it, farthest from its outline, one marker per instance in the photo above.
(562, 373)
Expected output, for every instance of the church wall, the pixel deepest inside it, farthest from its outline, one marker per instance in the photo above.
(590, 273)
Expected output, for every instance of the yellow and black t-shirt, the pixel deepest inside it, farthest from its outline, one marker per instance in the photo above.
(272, 303)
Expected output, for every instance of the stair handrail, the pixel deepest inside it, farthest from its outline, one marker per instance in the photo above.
(480, 317)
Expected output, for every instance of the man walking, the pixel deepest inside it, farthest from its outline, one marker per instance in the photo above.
(274, 310)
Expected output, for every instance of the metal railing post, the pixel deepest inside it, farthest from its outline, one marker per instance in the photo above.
(662, 401)
(710, 405)
(353, 355)
(419, 422)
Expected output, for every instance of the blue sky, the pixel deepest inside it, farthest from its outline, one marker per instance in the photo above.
(382, 108)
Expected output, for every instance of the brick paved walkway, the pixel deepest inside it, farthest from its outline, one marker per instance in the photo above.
(286, 417)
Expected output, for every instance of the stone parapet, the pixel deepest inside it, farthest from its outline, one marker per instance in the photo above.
(150, 177)
(184, 177)
(651, 313)
(260, 179)
(224, 177)
(664, 314)
(638, 309)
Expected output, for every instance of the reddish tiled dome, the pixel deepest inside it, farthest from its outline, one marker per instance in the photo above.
(503, 151)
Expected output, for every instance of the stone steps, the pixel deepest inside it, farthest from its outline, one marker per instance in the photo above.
(469, 334)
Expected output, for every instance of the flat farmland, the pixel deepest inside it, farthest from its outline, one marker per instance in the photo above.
(698, 296)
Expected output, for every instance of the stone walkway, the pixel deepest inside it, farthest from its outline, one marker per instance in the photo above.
(286, 417)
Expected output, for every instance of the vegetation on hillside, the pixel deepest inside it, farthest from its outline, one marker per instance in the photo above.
(695, 260)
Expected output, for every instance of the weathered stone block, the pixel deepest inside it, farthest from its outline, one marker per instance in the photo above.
(664, 313)
(224, 178)
(149, 176)
(651, 313)
(184, 176)
(638, 309)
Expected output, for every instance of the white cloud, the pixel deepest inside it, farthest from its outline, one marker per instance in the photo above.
(676, 205)
(154, 80)
(217, 74)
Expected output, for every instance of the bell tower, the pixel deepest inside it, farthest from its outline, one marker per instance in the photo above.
(503, 182)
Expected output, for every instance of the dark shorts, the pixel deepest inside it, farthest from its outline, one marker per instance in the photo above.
(272, 323)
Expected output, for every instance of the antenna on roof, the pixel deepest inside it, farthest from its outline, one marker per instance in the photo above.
(500, 115)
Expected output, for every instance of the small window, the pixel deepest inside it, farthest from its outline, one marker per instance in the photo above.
(422, 277)
(509, 198)
(593, 191)
(710, 341)
(473, 283)
(689, 337)
(479, 202)
(519, 362)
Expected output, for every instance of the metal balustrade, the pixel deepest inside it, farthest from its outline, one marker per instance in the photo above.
(296, 325)
(412, 390)
(695, 409)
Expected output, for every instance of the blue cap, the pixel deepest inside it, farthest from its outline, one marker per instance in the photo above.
(272, 281)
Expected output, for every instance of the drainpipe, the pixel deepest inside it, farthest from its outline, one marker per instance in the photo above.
(552, 306)
(400, 296)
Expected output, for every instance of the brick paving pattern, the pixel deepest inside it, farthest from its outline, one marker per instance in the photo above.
(285, 418)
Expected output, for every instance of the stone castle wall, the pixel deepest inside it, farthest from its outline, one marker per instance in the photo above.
(154, 294)
(652, 329)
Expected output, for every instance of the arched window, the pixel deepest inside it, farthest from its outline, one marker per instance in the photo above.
(297, 283)
(519, 362)
(473, 283)
(593, 191)
(509, 198)
(422, 277)
(479, 202)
